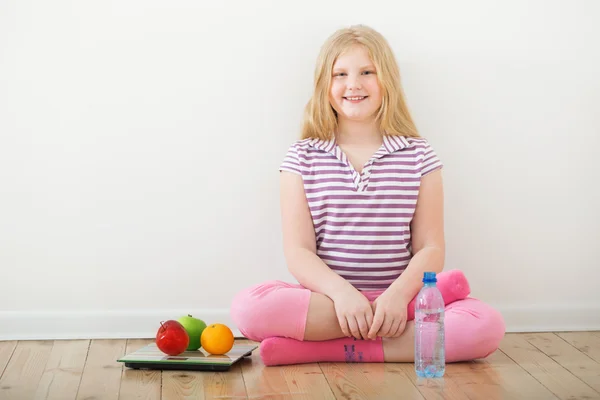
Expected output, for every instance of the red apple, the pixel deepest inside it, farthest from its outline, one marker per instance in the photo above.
(172, 338)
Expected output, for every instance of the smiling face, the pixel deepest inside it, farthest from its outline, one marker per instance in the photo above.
(355, 93)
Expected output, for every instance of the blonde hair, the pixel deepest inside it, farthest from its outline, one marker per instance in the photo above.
(320, 119)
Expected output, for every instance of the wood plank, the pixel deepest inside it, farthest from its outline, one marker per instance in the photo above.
(586, 342)
(473, 380)
(182, 385)
(578, 363)
(229, 384)
(433, 389)
(101, 377)
(346, 382)
(6, 351)
(262, 381)
(24, 370)
(368, 381)
(63, 370)
(551, 374)
(545, 366)
(306, 381)
(497, 377)
(139, 383)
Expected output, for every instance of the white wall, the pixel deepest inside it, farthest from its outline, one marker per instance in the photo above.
(140, 141)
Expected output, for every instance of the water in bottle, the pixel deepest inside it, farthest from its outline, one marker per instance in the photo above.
(430, 355)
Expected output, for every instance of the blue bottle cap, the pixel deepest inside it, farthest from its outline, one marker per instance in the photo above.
(429, 277)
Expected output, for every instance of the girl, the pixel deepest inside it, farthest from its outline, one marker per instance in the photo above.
(362, 217)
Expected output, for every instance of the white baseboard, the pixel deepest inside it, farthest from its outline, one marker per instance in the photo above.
(107, 324)
(551, 318)
(123, 324)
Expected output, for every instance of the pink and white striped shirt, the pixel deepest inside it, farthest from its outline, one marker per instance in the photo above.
(362, 221)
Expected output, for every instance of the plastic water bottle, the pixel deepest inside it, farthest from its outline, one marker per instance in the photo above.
(430, 354)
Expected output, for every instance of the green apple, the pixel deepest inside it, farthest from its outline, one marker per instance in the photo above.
(194, 327)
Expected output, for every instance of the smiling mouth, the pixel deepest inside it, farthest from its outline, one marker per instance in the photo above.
(355, 98)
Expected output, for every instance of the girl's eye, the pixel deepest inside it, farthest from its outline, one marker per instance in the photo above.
(344, 74)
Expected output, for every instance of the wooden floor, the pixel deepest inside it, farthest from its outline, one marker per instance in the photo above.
(527, 366)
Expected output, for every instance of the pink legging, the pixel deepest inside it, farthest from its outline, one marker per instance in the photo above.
(473, 329)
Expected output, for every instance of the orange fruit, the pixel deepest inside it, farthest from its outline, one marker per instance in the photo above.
(217, 339)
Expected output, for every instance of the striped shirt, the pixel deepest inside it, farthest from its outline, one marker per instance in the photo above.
(362, 220)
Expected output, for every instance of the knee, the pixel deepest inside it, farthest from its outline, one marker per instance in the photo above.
(271, 308)
(475, 330)
(246, 307)
(491, 330)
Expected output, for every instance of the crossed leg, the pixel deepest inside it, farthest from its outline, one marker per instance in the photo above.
(295, 325)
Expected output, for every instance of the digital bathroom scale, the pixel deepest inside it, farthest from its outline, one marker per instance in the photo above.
(150, 357)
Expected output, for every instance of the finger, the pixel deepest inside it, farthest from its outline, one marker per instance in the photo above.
(353, 325)
(386, 326)
(377, 321)
(369, 319)
(344, 325)
(402, 327)
(362, 326)
(395, 328)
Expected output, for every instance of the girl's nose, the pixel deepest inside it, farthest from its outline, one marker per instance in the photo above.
(353, 82)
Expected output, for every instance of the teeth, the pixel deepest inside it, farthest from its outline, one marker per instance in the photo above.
(355, 98)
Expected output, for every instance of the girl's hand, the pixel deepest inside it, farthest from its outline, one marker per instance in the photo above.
(354, 313)
(389, 315)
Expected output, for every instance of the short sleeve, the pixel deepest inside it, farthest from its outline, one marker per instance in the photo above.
(291, 161)
(430, 161)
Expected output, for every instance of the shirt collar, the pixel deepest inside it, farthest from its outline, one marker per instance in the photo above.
(394, 143)
(390, 144)
(325, 145)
